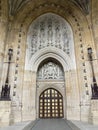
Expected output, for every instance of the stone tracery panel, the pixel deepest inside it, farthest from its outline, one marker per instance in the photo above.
(50, 30)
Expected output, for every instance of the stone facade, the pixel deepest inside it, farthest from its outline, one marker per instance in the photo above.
(49, 41)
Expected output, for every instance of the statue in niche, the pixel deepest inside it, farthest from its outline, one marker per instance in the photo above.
(49, 30)
(50, 70)
(42, 34)
(55, 72)
(66, 42)
(45, 72)
(34, 42)
(58, 34)
(50, 33)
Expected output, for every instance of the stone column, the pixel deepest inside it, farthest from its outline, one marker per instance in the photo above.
(67, 94)
(5, 113)
(29, 96)
(72, 95)
(94, 112)
(3, 31)
(5, 106)
(95, 23)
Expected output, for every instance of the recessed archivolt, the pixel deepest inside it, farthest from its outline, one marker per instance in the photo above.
(16, 5)
(32, 10)
(50, 31)
(29, 13)
(71, 14)
(46, 53)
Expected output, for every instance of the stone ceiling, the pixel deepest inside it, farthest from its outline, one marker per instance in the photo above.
(15, 5)
(83, 4)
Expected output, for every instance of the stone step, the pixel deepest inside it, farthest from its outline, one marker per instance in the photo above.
(51, 124)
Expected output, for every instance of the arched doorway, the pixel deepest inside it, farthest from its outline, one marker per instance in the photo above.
(50, 56)
(50, 85)
(51, 104)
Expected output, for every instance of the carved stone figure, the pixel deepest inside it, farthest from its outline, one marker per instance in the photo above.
(49, 31)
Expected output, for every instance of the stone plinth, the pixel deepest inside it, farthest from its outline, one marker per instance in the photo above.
(94, 111)
(5, 109)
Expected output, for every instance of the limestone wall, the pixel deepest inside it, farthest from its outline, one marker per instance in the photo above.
(94, 18)
(23, 82)
(5, 111)
(3, 31)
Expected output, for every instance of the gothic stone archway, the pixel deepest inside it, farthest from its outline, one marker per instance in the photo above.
(50, 55)
(50, 73)
(51, 104)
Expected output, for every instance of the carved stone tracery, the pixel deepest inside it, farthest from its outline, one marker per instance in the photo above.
(47, 33)
(50, 30)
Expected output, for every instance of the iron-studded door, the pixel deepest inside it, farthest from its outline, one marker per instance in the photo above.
(51, 104)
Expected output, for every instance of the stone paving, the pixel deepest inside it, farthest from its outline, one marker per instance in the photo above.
(51, 124)
(84, 125)
(18, 126)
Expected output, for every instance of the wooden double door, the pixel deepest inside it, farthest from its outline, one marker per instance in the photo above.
(51, 104)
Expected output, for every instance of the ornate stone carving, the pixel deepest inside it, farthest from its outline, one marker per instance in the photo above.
(50, 30)
(50, 70)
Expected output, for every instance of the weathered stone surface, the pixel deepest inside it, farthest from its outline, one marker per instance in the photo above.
(73, 63)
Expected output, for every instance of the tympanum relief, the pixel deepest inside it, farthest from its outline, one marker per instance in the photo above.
(50, 70)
